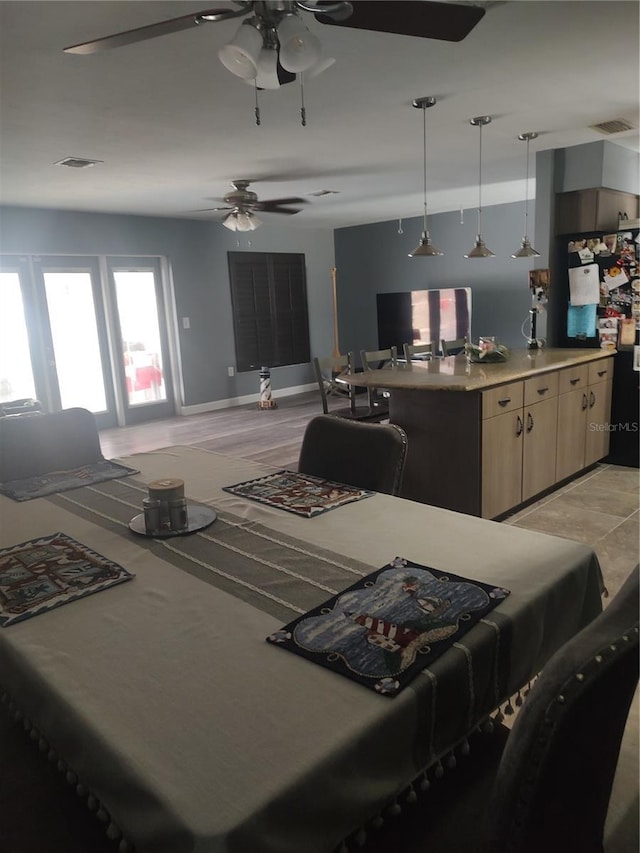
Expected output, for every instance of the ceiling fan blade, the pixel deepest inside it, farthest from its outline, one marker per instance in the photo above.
(212, 209)
(174, 25)
(279, 201)
(265, 207)
(445, 21)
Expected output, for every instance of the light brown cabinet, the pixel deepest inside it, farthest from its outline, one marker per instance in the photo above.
(518, 446)
(593, 210)
(484, 438)
(584, 406)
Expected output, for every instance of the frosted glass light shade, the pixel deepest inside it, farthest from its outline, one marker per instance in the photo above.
(267, 76)
(240, 56)
(299, 49)
(238, 221)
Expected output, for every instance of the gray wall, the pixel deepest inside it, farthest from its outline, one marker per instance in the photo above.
(197, 253)
(373, 259)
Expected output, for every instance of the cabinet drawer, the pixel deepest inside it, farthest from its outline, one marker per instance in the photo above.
(572, 378)
(504, 398)
(601, 370)
(540, 388)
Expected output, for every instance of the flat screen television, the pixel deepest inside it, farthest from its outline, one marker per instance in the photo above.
(421, 316)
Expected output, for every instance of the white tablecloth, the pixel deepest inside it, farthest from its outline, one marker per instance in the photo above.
(197, 735)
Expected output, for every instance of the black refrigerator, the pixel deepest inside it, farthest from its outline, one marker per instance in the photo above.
(595, 293)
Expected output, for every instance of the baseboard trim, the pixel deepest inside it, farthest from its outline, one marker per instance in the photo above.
(230, 402)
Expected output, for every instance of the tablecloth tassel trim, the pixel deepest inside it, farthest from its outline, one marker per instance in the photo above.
(360, 837)
(394, 809)
(377, 822)
(411, 797)
(424, 783)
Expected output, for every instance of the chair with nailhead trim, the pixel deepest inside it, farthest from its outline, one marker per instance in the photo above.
(545, 786)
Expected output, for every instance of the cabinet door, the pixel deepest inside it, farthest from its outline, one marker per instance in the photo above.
(539, 448)
(598, 426)
(572, 416)
(501, 463)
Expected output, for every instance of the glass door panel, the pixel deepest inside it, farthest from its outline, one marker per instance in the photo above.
(140, 330)
(141, 326)
(74, 335)
(16, 374)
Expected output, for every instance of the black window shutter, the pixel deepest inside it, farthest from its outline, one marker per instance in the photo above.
(269, 301)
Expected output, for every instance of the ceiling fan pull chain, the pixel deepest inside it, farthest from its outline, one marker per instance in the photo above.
(303, 112)
(257, 107)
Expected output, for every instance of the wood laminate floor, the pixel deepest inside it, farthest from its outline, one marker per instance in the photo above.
(39, 812)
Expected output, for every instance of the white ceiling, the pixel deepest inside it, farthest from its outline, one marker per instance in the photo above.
(173, 126)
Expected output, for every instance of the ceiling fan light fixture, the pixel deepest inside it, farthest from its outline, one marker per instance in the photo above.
(526, 250)
(299, 48)
(239, 220)
(480, 249)
(240, 55)
(425, 248)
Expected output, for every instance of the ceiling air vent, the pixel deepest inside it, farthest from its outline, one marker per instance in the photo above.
(616, 125)
(77, 162)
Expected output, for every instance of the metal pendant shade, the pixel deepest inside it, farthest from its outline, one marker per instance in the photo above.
(480, 249)
(526, 250)
(425, 248)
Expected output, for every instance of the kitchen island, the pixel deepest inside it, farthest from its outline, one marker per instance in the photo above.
(485, 438)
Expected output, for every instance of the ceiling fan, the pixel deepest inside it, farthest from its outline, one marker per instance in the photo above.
(276, 27)
(242, 202)
(273, 45)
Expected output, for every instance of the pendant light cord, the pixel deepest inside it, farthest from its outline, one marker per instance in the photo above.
(480, 186)
(526, 196)
(424, 163)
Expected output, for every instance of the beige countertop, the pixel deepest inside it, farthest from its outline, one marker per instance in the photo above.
(454, 373)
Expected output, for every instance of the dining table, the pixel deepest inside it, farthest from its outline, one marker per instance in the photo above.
(163, 702)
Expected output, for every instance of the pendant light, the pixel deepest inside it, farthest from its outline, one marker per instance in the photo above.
(526, 250)
(480, 249)
(425, 248)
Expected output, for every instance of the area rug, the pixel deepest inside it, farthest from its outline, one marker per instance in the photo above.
(48, 572)
(300, 493)
(387, 627)
(42, 485)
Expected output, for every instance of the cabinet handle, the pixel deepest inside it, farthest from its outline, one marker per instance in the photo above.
(520, 427)
(530, 422)
(602, 373)
(504, 402)
(575, 381)
(592, 399)
(585, 402)
(542, 390)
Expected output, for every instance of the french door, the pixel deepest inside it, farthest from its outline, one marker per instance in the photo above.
(88, 332)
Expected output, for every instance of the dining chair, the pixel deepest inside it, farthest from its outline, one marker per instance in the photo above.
(545, 785)
(418, 349)
(55, 441)
(375, 360)
(453, 347)
(365, 455)
(327, 371)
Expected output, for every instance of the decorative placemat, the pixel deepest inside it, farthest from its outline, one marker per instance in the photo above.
(300, 493)
(386, 628)
(48, 572)
(53, 482)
